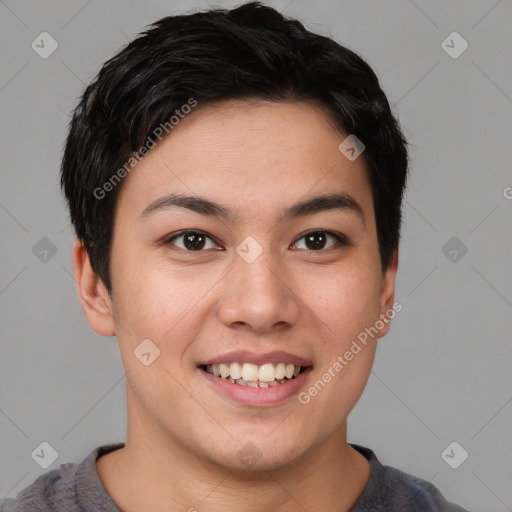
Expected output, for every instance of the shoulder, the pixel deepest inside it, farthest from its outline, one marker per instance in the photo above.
(410, 491)
(391, 489)
(51, 489)
(72, 487)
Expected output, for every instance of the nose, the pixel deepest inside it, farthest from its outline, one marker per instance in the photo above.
(258, 296)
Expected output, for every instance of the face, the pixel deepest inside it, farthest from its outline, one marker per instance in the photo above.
(263, 277)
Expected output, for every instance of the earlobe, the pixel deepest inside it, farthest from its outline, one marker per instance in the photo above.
(387, 296)
(93, 295)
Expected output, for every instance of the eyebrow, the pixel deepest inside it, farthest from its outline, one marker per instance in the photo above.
(203, 206)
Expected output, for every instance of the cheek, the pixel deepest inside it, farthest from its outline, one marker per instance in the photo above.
(337, 387)
(150, 306)
(346, 310)
(154, 308)
(348, 302)
(154, 300)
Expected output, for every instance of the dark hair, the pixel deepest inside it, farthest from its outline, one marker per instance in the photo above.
(248, 52)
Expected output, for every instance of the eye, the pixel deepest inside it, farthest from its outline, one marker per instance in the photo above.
(197, 241)
(192, 241)
(318, 240)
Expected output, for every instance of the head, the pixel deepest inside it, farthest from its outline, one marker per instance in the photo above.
(228, 124)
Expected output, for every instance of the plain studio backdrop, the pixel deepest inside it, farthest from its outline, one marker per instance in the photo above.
(441, 376)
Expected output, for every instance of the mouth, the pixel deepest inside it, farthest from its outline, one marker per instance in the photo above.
(256, 380)
(251, 375)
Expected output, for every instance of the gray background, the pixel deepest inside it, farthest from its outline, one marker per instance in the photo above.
(443, 372)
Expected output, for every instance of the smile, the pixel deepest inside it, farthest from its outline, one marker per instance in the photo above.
(252, 375)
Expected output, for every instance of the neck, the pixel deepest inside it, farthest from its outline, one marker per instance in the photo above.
(155, 472)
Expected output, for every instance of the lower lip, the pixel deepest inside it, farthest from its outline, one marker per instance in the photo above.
(257, 396)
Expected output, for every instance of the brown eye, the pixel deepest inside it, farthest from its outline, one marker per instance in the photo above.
(191, 241)
(321, 240)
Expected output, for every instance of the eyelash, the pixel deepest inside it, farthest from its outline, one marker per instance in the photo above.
(341, 240)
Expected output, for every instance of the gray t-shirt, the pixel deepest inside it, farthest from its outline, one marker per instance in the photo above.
(78, 488)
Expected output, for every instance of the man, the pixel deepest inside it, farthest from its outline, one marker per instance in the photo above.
(235, 184)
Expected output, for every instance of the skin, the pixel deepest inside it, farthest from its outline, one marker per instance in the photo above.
(183, 437)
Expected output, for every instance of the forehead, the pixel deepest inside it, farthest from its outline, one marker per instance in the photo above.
(247, 153)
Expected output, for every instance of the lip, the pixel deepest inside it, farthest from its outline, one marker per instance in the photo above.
(244, 356)
(257, 397)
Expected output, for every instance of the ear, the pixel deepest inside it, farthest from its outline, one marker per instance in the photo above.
(387, 294)
(93, 295)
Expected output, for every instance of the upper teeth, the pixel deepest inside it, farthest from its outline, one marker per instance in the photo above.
(251, 372)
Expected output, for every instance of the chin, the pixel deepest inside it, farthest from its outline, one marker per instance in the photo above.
(253, 456)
